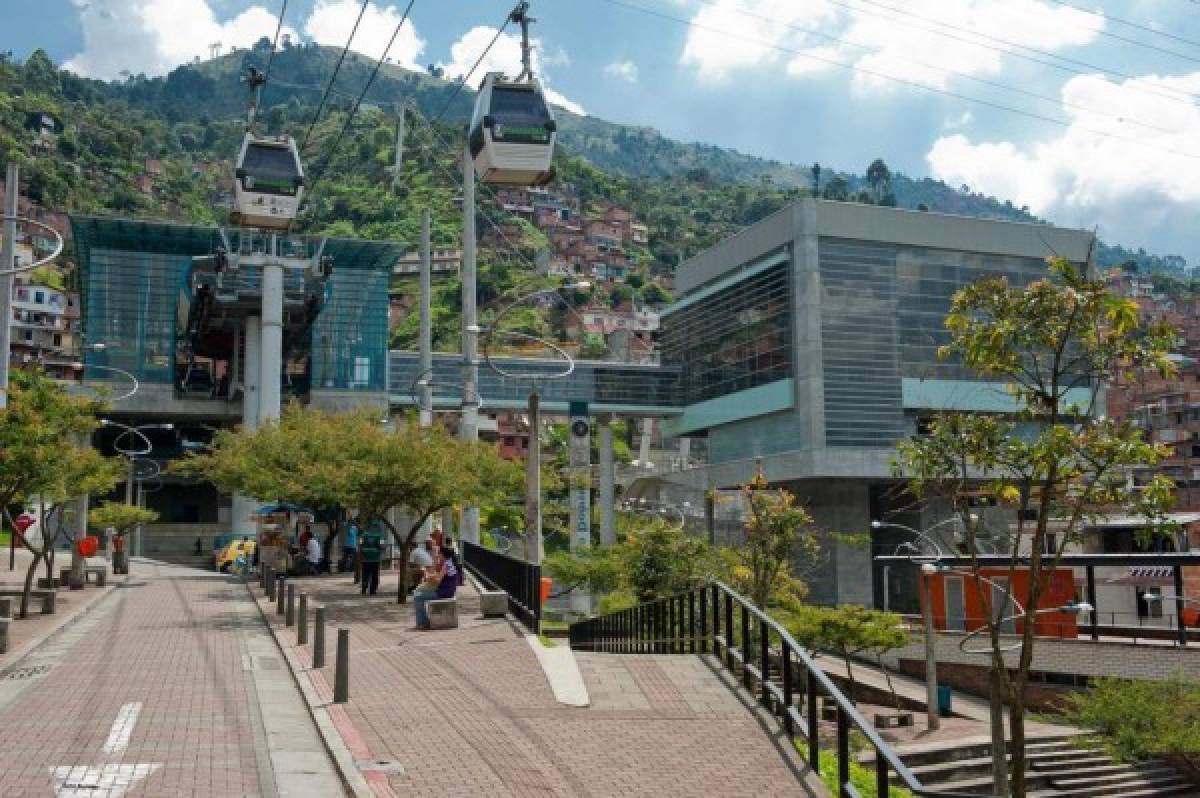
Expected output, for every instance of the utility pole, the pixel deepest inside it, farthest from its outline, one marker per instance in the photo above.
(7, 265)
(469, 430)
(931, 684)
(534, 546)
(272, 337)
(425, 340)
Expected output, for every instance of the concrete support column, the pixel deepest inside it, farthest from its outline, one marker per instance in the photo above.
(470, 334)
(272, 342)
(534, 545)
(80, 529)
(243, 506)
(647, 434)
(607, 497)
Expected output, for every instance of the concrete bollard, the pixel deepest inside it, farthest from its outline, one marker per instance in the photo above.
(302, 621)
(318, 658)
(289, 618)
(6, 607)
(341, 670)
(269, 576)
(280, 593)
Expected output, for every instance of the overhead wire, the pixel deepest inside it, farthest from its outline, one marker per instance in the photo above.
(1008, 46)
(323, 164)
(1139, 26)
(274, 45)
(902, 81)
(458, 89)
(1057, 101)
(333, 77)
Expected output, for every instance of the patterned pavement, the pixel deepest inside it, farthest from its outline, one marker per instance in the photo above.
(156, 692)
(469, 711)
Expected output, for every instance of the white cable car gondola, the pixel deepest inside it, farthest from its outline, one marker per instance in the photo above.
(512, 132)
(269, 182)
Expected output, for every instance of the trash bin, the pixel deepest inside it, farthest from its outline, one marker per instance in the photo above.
(944, 700)
(544, 593)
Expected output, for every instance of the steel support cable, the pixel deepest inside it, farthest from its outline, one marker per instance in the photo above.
(458, 89)
(1136, 25)
(58, 245)
(274, 45)
(323, 164)
(1002, 45)
(902, 81)
(1056, 101)
(337, 68)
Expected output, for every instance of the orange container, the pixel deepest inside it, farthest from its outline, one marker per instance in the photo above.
(88, 546)
(545, 593)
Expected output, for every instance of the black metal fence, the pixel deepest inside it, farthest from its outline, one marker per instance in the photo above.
(522, 581)
(753, 646)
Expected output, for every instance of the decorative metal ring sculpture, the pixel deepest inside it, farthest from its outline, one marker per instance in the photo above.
(58, 245)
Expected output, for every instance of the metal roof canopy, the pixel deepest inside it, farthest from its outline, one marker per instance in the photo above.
(1000, 560)
(168, 238)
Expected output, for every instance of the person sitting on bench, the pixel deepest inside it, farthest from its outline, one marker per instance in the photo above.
(441, 582)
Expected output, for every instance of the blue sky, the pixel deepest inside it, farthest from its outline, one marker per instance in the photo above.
(1090, 119)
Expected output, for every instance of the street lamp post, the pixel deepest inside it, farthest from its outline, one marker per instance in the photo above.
(925, 559)
(1158, 598)
(134, 455)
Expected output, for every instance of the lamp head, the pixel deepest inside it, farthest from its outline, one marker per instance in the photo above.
(877, 525)
(929, 569)
(1152, 598)
(97, 347)
(1077, 608)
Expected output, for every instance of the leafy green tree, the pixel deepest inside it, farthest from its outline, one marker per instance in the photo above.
(121, 517)
(41, 458)
(350, 460)
(779, 535)
(1142, 719)
(1054, 342)
(879, 177)
(848, 631)
(836, 189)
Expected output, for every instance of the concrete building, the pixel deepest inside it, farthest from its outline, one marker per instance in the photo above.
(806, 346)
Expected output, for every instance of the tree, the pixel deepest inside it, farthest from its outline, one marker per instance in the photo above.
(778, 534)
(879, 177)
(350, 460)
(836, 189)
(41, 458)
(1054, 342)
(121, 517)
(816, 179)
(1142, 719)
(848, 631)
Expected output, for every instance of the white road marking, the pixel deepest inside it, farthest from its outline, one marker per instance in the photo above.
(105, 781)
(122, 728)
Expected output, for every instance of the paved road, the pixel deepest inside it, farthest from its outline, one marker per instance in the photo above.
(171, 686)
(469, 712)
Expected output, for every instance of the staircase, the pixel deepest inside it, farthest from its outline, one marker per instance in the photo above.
(1057, 767)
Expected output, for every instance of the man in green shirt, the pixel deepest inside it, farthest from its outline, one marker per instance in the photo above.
(371, 548)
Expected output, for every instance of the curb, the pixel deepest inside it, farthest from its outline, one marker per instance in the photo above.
(352, 778)
(15, 655)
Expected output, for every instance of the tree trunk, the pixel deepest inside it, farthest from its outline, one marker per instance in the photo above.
(888, 676)
(1016, 722)
(402, 589)
(28, 587)
(850, 676)
(999, 747)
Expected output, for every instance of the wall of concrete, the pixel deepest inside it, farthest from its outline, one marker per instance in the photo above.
(839, 506)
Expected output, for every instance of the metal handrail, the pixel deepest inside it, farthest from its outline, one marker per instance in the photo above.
(669, 625)
(519, 579)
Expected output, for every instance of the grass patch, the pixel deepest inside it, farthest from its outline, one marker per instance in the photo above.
(547, 642)
(555, 626)
(5, 538)
(863, 778)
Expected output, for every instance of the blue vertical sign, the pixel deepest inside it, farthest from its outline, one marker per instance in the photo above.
(579, 450)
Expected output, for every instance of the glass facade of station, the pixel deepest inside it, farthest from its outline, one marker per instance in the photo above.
(735, 339)
(883, 310)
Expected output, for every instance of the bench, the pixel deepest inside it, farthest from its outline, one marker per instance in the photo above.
(99, 571)
(493, 603)
(48, 597)
(443, 613)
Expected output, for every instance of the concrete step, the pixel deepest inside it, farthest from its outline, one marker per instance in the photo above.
(972, 748)
(953, 770)
(1136, 778)
(1141, 788)
(1093, 756)
(1098, 771)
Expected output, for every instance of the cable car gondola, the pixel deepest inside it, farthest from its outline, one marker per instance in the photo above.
(269, 182)
(512, 132)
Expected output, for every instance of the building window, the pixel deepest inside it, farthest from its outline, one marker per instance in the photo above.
(39, 297)
(735, 340)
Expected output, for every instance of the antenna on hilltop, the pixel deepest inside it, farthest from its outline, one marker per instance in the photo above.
(214, 49)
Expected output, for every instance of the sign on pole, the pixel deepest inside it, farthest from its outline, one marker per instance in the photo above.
(579, 450)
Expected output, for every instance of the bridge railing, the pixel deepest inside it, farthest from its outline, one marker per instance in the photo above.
(522, 581)
(763, 655)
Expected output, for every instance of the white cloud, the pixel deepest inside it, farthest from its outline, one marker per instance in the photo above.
(729, 36)
(622, 70)
(1136, 183)
(504, 56)
(155, 36)
(332, 20)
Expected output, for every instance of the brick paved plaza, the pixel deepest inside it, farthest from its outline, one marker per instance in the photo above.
(171, 685)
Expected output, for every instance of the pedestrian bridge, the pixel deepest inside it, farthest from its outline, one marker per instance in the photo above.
(623, 388)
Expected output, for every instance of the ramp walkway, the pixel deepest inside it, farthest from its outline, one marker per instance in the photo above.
(470, 711)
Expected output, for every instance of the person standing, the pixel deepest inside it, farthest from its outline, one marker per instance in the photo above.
(350, 549)
(371, 550)
(313, 555)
